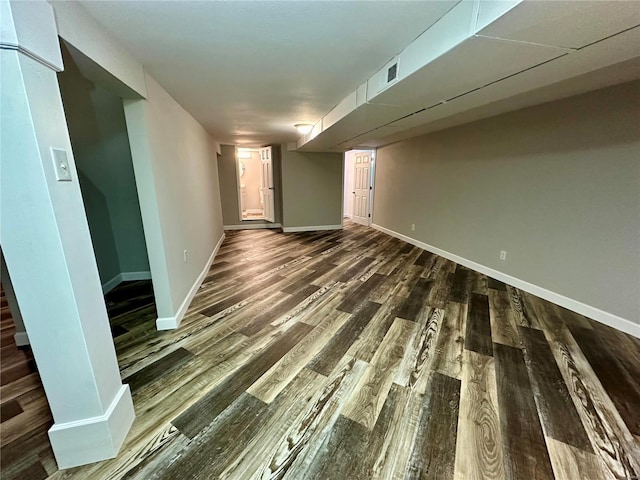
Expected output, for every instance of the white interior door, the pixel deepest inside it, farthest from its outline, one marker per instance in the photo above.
(361, 187)
(267, 183)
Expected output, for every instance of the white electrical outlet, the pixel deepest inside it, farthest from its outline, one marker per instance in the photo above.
(185, 256)
(503, 254)
(413, 227)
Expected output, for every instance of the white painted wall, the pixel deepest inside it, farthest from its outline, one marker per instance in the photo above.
(175, 163)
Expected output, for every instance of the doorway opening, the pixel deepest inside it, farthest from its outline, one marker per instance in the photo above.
(94, 111)
(359, 174)
(255, 183)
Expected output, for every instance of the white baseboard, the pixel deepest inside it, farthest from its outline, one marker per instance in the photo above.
(249, 226)
(124, 277)
(111, 284)
(254, 210)
(93, 439)
(170, 323)
(21, 339)
(312, 228)
(130, 276)
(601, 316)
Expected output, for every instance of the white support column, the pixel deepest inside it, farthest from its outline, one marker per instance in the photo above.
(46, 243)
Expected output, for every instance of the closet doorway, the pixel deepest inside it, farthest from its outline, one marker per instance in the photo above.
(255, 183)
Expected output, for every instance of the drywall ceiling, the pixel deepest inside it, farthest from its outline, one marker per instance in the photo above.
(249, 70)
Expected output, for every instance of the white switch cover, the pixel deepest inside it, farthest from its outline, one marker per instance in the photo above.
(61, 165)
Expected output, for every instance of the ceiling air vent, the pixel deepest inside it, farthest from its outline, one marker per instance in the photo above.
(392, 72)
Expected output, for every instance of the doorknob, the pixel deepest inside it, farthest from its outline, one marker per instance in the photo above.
(354, 193)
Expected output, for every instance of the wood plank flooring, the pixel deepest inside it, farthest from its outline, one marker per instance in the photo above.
(353, 355)
(25, 451)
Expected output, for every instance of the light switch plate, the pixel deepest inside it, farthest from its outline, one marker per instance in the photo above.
(61, 165)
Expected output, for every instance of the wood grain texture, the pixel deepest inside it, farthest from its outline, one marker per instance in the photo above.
(269, 385)
(371, 392)
(416, 366)
(459, 285)
(558, 415)
(349, 354)
(283, 414)
(325, 361)
(618, 382)
(479, 452)
(570, 462)
(434, 447)
(415, 302)
(478, 328)
(525, 451)
(525, 316)
(360, 294)
(196, 418)
(504, 328)
(609, 436)
(303, 446)
(450, 343)
(158, 369)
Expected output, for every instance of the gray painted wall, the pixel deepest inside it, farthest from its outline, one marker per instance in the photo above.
(102, 236)
(95, 118)
(312, 188)
(556, 185)
(229, 186)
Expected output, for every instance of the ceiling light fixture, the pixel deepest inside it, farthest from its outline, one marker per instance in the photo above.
(303, 128)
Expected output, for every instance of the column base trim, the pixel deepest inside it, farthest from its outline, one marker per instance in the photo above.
(93, 439)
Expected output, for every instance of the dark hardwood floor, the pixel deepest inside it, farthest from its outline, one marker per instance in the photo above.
(25, 450)
(353, 355)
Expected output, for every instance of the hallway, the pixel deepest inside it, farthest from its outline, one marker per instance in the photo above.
(352, 354)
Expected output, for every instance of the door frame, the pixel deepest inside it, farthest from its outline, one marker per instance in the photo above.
(372, 167)
(268, 203)
(238, 181)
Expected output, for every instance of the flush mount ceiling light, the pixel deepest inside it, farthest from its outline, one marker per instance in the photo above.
(303, 128)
